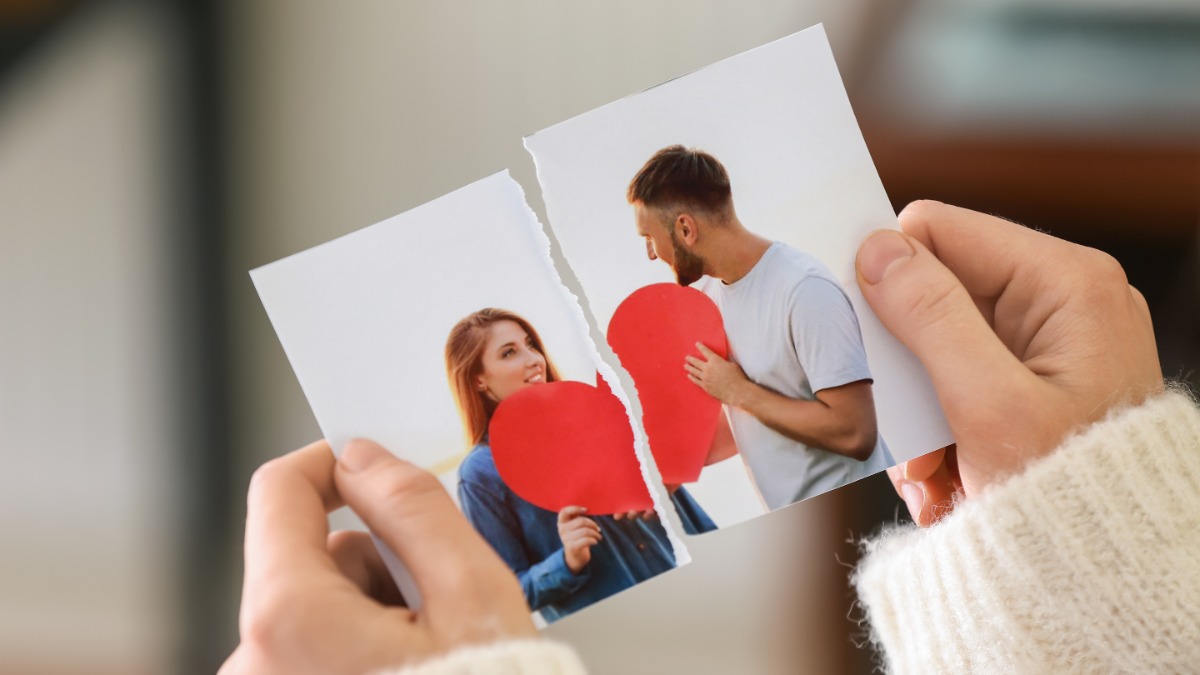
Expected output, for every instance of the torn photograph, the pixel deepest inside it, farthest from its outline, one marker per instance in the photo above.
(446, 335)
(713, 220)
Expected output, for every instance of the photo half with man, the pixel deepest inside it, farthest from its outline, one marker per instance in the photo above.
(746, 184)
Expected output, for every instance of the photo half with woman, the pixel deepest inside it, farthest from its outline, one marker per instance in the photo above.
(446, 335)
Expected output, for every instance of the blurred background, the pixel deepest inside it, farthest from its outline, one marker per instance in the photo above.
(151, 153)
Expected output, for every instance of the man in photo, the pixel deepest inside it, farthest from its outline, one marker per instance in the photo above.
(796, 388)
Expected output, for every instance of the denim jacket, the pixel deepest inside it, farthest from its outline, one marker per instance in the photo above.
(526, 537)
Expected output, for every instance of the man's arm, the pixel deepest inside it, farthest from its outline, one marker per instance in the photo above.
(840, 420)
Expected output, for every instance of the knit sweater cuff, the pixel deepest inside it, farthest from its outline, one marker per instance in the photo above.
(515, 657)
(1089, 561)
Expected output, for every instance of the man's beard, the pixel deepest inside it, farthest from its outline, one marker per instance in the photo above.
(688, 266)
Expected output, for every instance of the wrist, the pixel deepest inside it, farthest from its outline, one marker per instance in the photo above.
(574, 565)
(741, 394)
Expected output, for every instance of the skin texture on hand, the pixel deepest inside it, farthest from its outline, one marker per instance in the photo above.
(840, 419)
(1026, 338)
(720, 378)
(578, 534)
(313, 602)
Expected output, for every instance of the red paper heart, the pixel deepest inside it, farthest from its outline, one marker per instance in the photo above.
(565, 444)
(651, 332)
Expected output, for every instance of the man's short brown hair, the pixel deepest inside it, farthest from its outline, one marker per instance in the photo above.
(679, 177)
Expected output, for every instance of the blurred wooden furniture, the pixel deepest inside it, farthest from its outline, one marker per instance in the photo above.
(1077, 117)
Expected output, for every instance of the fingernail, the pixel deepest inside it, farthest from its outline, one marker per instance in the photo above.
(359, 455)
(880, 252)
(914, 499)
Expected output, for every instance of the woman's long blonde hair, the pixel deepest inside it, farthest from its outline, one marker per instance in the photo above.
(464, 363)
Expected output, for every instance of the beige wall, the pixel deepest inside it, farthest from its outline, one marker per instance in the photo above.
(87, 410)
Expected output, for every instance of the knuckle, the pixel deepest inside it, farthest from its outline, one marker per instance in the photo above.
(1100, 280)
(264, 478)
(341, 541)
(268, 623)
(1099, 266)
(284, 619)
(931, 304)
(921, 210)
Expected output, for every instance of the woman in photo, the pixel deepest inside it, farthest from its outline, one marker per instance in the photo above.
(567, 560)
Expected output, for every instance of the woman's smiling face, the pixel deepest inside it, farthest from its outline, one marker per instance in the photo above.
(510, 361)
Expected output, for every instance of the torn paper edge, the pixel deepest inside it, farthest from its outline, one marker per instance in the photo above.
(608, 366)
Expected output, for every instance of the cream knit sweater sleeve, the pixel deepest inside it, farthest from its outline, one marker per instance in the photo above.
(515, 657)
(1087, 562)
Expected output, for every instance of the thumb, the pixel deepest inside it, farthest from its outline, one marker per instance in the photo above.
(925, 306)
(411, 512)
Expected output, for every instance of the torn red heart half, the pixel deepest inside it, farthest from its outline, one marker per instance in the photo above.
(565, 444)
(651, 332)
